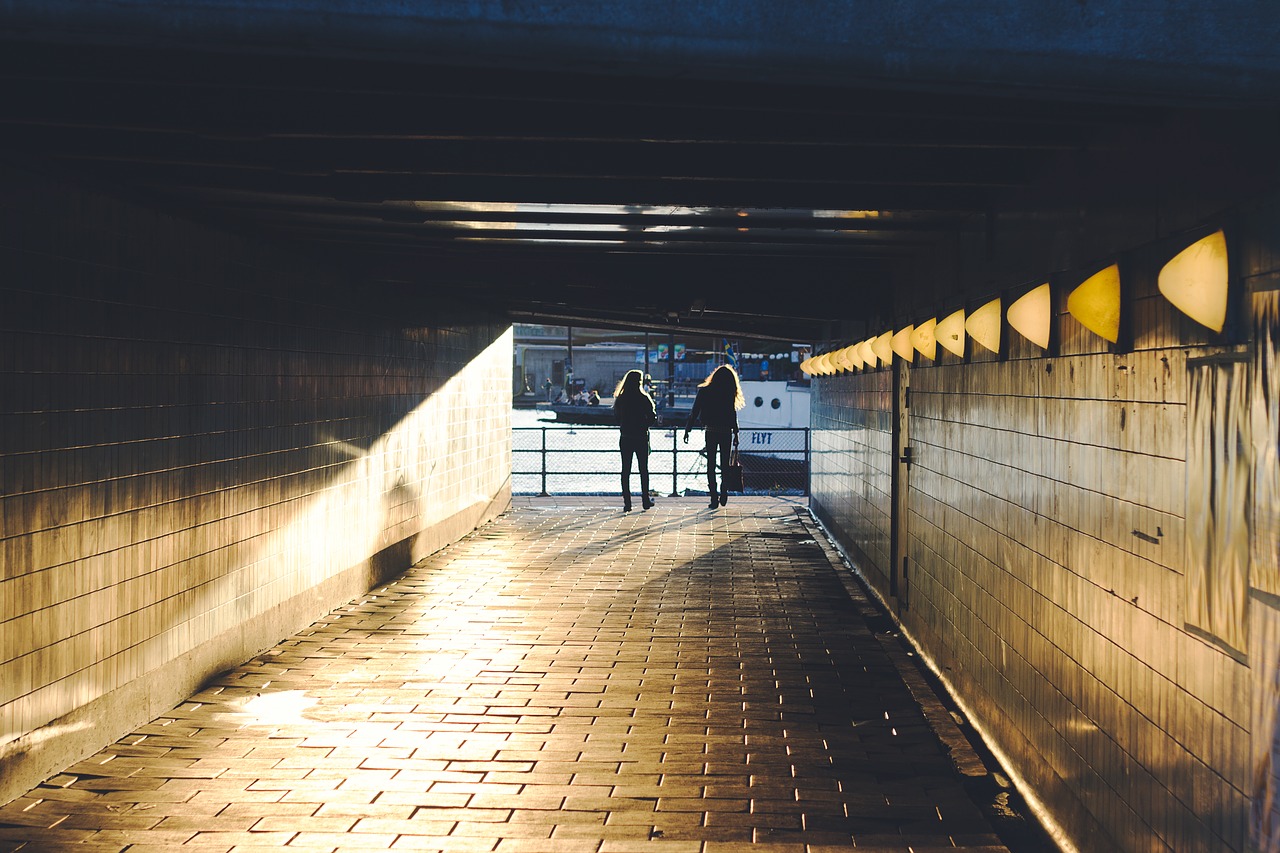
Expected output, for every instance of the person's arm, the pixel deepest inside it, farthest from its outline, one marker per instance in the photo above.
(693, 415)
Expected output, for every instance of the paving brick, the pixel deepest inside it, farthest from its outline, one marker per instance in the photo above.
(131, 837)
(262, 839)
(341, 841)
(452, 844)
(260, 810)
(649, 845)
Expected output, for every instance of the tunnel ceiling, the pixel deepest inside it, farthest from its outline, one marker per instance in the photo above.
(758, 207)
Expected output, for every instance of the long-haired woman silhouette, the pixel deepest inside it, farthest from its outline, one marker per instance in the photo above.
(719, 398)
(635, 412)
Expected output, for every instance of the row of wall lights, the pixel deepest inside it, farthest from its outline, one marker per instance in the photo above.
(1194, 280)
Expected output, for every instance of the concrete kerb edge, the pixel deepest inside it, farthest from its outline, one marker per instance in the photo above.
(936, 713)
(986, 778)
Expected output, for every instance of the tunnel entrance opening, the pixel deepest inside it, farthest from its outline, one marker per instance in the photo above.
(565, 438)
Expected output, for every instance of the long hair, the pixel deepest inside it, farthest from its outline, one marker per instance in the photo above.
(630, 383)
(724, 382)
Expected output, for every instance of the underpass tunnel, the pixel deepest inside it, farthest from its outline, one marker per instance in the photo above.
(260, 265)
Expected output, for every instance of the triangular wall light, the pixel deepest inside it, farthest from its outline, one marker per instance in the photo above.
(1096, 303)
(1031, 315)
(1195, 281)
(983, 325)
(883, 349)
(950, 333)
(901, 344)
(868, 354)
(924, 341)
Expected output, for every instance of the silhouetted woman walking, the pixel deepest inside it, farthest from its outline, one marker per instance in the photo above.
(635, 412)
(719, 398)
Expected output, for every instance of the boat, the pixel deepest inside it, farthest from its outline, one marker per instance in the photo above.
(773, 449)
(602, 414)
(527, 400)
(774, 404)
(771, 405)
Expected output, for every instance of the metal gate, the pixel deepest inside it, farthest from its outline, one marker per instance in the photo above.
(566, 460)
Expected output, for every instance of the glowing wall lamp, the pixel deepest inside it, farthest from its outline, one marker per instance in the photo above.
(868, 354)
(1031, 315)
(950, 333)
(840, 361)
(983, 325)
(821, 363)
(924, 341)
(855, 357)
(806, 366)
(883, 348)
(1096, 303)
(1195, 281)
(901, 344)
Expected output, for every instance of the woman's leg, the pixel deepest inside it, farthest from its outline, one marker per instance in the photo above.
(715, 455)
(711, 464)
(725, 450)
(627, 452)
(642, 463)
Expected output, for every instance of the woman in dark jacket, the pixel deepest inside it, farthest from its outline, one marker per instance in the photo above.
(719, 398)
(635, 412)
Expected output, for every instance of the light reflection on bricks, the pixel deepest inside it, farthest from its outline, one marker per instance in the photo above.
(567, 678)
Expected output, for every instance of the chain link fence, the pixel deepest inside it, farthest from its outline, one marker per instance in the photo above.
(584, 460)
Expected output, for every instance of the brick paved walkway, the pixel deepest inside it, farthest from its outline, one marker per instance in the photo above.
(569, 678)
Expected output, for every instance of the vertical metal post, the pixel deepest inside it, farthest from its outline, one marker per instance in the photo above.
(544, 462)
(671, 370)
(675, 463)
(646, 360)
(568, 361)
(808, 464)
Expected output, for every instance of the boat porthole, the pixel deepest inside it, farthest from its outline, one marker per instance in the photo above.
(777, 404)
(760, 402)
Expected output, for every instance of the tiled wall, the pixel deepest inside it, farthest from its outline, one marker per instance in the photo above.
(1048, 574)
(205, 445)
(851, 457)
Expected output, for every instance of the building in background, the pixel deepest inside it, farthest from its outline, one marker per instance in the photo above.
(586, 359)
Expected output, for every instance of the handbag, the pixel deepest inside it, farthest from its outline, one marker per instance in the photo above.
(731, 477)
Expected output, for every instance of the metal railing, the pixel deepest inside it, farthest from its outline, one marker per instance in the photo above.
(567, 459)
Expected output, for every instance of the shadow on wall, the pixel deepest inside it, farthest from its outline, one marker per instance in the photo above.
(437, 460)
(137, 607)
